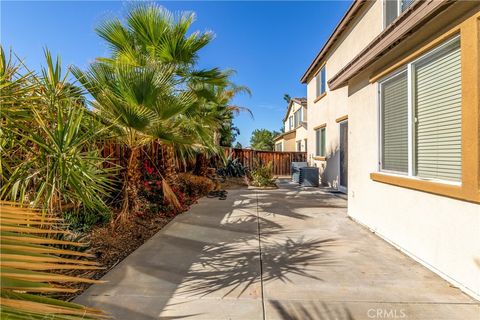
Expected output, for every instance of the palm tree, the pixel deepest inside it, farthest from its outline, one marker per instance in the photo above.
(215, 103)
(219, 107)
(144, 89)
(141, 105)
(149, 89)
(152, 34)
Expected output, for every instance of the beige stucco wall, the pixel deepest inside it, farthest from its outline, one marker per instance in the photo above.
(439, 232)
(301, 135)
(334, 104)
(288, 141)
(289, 144)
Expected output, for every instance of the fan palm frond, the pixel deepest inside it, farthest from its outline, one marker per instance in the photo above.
(28, 255)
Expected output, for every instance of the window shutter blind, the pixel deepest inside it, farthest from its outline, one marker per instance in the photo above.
(438, 112)
(395, 124)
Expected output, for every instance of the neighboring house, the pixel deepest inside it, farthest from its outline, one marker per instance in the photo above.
(295, 123)
(397, 85)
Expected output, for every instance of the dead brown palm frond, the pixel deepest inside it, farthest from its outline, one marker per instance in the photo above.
(169, 195)
(27, 256)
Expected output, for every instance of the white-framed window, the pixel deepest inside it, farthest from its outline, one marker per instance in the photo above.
(279, 146)
(297, 117)
(393, 8)
(290, 123)
(420, 116)
(320, 138)
(299, 145)
(321, 82)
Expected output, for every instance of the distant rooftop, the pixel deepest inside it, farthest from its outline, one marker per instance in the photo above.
(302, 100)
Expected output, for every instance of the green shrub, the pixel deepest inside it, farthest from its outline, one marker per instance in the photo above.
(262, 175)
(83, 220)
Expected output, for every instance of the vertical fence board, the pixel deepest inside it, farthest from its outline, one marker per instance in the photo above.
(281, 161)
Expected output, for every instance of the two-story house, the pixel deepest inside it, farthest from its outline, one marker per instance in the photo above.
(393, 111)
(294, 137)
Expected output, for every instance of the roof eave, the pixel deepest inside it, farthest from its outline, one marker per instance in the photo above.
(302, 103)
(412, 19)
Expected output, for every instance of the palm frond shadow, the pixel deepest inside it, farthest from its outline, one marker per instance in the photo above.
(219, 258)
(233, 269)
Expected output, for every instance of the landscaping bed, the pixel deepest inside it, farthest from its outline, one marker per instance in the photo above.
(111, 243)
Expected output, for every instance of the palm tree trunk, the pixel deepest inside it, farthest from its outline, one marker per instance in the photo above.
(216, 138)
(201, 165)
(131, 182)
(169, 164)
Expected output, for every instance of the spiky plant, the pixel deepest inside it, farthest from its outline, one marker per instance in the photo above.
(28, 254)
(49, 156)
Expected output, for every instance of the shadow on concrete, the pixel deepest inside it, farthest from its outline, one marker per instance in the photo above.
(229, 266)
(290, 310)
(213, 251)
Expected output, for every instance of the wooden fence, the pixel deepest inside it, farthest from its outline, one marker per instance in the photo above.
(281, 160)
(155, 152)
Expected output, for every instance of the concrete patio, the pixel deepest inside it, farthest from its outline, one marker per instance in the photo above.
(289, 253)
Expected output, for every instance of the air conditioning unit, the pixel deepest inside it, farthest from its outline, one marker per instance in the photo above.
(309, 177)
(295, 170)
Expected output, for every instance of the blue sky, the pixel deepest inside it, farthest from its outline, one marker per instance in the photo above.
(269, 44)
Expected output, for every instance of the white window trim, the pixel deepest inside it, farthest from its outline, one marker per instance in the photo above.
(317, 153)
(280, 144)
(409, 68)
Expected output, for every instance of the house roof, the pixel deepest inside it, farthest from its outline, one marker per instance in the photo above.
(301, 101)
(282, 135)
(337, 32)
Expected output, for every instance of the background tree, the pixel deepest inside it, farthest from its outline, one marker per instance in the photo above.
(238, 145)
(287, 97)
(262, 139)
